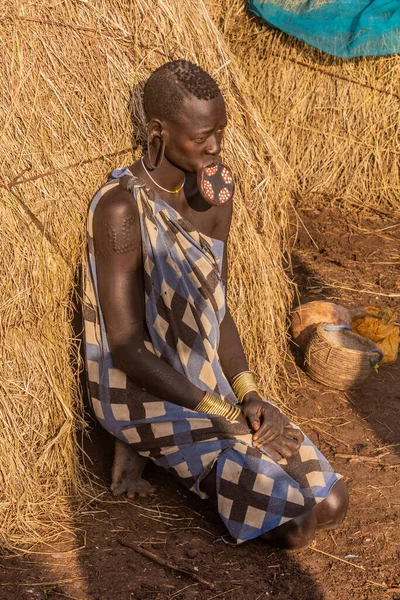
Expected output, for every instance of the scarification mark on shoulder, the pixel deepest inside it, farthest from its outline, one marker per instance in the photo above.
(122, 240)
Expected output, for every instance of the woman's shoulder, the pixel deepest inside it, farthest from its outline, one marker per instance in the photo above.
(118, 202)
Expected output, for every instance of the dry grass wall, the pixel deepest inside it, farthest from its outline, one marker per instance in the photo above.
(336, 121)
(68, 71)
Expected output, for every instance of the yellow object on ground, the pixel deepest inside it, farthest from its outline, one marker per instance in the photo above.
(383, 331)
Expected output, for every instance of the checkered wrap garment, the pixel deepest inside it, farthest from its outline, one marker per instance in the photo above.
(184, 306)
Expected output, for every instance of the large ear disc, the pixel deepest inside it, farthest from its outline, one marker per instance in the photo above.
(216, 183)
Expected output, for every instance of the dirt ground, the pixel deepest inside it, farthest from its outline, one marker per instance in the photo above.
(337, 256)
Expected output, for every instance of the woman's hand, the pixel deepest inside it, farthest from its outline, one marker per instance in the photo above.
(286, 445)
(265, 419)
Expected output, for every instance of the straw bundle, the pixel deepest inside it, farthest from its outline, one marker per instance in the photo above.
(336, 121)
(68, 72)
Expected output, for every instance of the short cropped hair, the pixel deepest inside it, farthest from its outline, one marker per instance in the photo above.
(167, 87)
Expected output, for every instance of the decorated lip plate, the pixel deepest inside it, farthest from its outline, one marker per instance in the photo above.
(216, 183)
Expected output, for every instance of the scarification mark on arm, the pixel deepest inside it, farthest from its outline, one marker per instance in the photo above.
(122, 240)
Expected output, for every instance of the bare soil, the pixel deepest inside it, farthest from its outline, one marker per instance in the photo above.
(337, 256)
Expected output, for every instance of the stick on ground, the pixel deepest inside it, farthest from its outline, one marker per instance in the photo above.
(163, 562)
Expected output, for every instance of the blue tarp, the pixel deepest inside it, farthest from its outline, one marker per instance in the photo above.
(345, 28)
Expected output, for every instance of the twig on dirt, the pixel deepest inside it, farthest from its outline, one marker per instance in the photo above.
(350, 400)
(384, 425)
(332, 538)
(372, 231)
(164, 520)
(384, 586)
(139, 542)
(361, 457)
(158, 506)
(387, 446)
(308, 233)
(157, 511)
(163, 562)
(181, 590)
(337, 558)
(224, 593)
(385, 262)
(320, 430)
(187, 528)
(68, 596)
(45, 583)
(350, 289)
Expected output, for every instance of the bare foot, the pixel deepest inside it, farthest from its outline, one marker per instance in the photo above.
(127, 470)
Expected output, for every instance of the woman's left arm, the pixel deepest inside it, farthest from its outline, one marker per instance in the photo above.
(266, 420)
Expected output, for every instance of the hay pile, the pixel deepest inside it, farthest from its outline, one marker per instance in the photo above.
(68, 71)
(336, 121)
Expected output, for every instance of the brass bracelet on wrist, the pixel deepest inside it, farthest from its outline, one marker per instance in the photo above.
(216, 406)
(243, 383)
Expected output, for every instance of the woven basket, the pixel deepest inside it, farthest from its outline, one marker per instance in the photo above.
(339, 358)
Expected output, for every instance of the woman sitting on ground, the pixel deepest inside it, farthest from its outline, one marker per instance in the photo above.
(166, 369)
